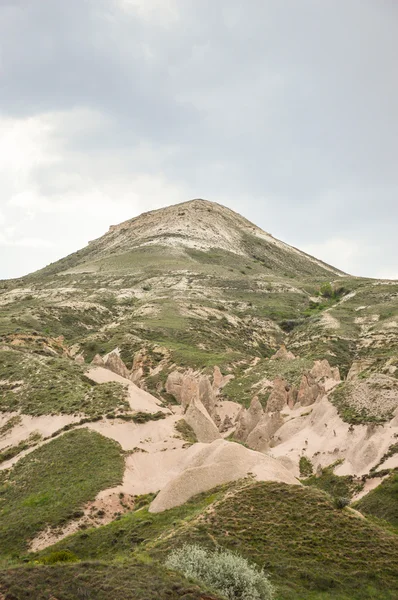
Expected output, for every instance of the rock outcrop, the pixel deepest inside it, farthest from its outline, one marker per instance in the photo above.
(279, 395)
(98, 361)
(322, 370)
(283, 354)
(201, 422)
(260, 438)
(174, 384)
(206, 394)
(216, 464)
(114, 363)
(309, 391)
(248, 419)
(220, 380)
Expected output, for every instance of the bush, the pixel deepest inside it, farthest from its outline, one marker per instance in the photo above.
(341, 502)
(57, 557)
(224, 572)
(305, 466)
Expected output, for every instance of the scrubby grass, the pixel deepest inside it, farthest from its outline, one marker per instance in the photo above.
(382, 502)
(134, 531)
(310, 548)
(11, 451)
(340, 397)
(46, 487)
(130, 580)
(39, 385)
(186, 431)
(335, 485)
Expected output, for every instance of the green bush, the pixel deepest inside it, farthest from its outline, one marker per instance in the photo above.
(341, 502)
(224, 572)
(305, 466)
(59, 556)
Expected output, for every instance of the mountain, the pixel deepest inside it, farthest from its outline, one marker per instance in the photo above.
(189, 352)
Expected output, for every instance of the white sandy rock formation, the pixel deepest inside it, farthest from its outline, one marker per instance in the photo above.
(261, 437)
(216, 464)
(248, 419)
(201, 422)
(114, 363)
(283, 354)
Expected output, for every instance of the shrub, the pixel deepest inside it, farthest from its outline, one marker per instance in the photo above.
(305, 466)
(57, 557)
(341, 502)
(226, 573)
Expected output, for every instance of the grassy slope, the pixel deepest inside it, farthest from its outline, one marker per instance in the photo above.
(311, 549)
(50, 484)
(98, 581)
(53, 385)
(382, 502)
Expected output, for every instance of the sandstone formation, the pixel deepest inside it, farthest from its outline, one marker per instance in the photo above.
(248, 419)
(260, 438)
(98, 361)
(283, 354)
(220, 380)
(201, 422)
(215, 464)
(279, 395)
(309, 390)
(114, 363)
(174, 384)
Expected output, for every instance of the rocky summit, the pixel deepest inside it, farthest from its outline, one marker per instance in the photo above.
(187, 378)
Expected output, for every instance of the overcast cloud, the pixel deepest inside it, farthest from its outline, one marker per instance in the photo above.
(284, 110)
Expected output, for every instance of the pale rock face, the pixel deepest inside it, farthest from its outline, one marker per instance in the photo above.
(98, 361)
(309, 391)
(279, 395)
(137, 372)
(248, 419)
(322, 370)
(174, 384)
(207, 395)
(283, 354)
(213, 464)
(189, 390)
(220, 380)
(114, 363)
(357, 367)
(261, 436)
(226, 424)
(201, 422)
(79, 359)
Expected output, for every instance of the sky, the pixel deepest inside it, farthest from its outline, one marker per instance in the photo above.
(284, 111)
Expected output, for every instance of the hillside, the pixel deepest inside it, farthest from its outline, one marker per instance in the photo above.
(189, 352)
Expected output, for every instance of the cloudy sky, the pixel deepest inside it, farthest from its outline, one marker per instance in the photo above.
(284, 110)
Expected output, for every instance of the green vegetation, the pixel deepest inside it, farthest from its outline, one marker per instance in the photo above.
(186, 431)
(12, 451)
(130, 580)
(46, 487)
(9, 425)
(382, 502)
(310, 549)
(40, 385)
(224, 572)
(305, 466)
(336, 485)
(350, 413)
(135, 531)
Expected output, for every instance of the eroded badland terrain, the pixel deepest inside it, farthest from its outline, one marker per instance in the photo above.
(188, 378)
